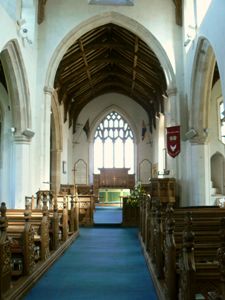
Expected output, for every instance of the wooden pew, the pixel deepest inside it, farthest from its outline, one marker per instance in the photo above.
(206, 225)
(40, 225)
(21, 237)
(25, 228)
(200, 277)
(5, 254)
(80, 207)
(164, 245)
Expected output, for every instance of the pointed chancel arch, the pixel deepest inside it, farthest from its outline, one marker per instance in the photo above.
(17, 84)
(125, 22)
(201, 85)
(117, 19)
(218, 172)
(55, 144)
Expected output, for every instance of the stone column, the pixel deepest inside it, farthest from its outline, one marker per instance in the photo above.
(45, 140)
(56, 168)
(20, 168)
(171, 106)
(199, 173)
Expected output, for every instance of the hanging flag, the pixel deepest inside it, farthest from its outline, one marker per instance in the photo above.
(86, 128)
(173, 140)
(143, 131)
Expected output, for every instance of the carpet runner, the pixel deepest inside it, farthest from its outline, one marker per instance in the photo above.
(108, 215)
(102, 264)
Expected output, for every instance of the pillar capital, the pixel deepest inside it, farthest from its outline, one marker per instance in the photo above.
(171, 91)
(21, 139)
(49, 90)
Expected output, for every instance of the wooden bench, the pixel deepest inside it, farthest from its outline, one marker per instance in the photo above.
(22, 246)
(21, 231)
(80, 207)
(163, 237)
(40, 225)
(200, 277)
(5, 254)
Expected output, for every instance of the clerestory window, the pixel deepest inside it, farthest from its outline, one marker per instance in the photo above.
(113, 144)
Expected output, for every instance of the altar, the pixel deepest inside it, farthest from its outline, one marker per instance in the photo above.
(112, 184)
(115, 177)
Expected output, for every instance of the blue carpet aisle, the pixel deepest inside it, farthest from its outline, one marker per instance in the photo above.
(102, 264)
(108, 215)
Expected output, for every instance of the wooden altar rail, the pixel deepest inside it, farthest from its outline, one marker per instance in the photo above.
(183, 253)
(21, 233)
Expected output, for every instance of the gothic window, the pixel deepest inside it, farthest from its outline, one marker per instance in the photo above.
(222, 122)
(113, 144)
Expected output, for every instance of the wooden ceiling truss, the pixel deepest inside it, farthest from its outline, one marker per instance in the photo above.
(110, 59)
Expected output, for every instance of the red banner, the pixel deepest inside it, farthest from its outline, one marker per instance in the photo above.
(173, 140)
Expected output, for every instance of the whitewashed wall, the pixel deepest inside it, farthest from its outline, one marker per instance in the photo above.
(201, 19)
(95, 111)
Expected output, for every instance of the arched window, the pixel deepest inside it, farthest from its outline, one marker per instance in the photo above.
(222, 122)
(113, 144)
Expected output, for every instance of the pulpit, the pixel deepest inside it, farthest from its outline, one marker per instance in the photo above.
(163, 189)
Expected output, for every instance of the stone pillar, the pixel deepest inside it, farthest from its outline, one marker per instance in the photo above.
(199, 173)
(45, 140)
(55, 172)
(20, 171)
(171, 108)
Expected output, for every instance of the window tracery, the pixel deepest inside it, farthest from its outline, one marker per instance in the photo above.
(113, 144)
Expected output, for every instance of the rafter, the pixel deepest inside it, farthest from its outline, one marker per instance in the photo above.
(41, 11)
(178, 7)
(110, 59)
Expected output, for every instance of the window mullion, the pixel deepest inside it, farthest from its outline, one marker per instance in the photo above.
(123, 153)
(103, 153)
(113, 142)
(112, 127)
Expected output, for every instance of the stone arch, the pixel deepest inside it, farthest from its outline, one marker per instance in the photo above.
(201, 83)
(17, 84)
(145, 171)
(117, 19)
(217, 163)
(56, 143)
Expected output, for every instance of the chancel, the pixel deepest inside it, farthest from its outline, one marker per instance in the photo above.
(112, 149)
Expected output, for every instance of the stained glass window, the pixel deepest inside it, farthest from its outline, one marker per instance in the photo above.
(113, 144)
